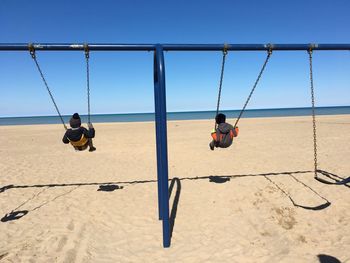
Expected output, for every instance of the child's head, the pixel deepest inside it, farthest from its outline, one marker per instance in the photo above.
(75, 121)
(220, 118)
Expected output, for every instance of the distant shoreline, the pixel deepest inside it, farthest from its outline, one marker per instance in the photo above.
(189, 115)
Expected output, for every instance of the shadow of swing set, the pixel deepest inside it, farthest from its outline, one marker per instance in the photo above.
(16, 213)
(161, 120)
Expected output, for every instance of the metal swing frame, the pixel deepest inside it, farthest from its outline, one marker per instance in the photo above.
(160, 92)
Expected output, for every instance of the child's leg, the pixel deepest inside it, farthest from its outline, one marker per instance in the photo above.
(212, 145)
(213, 142)
(91, 146)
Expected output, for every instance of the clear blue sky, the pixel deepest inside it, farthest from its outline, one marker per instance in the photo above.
(122, 81)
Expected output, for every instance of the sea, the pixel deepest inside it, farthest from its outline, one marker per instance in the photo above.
(189, 115)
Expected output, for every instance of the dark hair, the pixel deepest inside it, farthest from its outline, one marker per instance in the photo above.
(220, 118)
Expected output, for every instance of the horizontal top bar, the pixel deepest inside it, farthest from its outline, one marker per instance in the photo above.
(173, 47)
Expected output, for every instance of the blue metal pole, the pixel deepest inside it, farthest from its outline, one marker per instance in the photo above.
(158, 141)
(77, 47)
(171, 47)
(163, 145)
(253, 47)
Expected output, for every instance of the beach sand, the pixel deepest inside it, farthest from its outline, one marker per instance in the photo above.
(248, 218)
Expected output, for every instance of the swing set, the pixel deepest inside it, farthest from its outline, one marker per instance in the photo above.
(160, 96)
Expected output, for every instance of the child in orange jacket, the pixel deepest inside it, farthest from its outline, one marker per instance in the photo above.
(224, 133)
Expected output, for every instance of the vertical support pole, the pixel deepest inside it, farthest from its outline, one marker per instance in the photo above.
(162, 148)
(158, 143)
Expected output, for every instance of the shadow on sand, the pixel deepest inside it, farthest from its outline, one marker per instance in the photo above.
(218, 179)
(109, 187)
(14, 215)
(327, 259)
(224, 179)
(211, 178)
(332, 178)
(112, 186)
(175, 203)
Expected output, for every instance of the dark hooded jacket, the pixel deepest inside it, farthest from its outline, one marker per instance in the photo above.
(224, 135)
(75, 133)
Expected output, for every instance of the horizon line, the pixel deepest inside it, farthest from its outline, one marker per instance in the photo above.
(172, 112)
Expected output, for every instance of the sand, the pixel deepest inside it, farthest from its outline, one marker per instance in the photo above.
(245, 215)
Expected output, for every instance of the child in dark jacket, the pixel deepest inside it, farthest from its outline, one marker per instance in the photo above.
(79, 137)
(224, 133)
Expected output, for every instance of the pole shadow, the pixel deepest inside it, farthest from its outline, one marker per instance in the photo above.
(175, 203)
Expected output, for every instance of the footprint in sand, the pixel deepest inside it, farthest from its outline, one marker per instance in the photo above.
(270, 189)
(64, 239)
(78, 239)
(260, 199)
(61, 243)
(302, 239)
(71, 226)
(3, 255)
(70, 256)
(285, 217)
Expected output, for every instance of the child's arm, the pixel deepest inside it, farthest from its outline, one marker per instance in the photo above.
(234, 132)
(65, 139)
(214, 135)
(89, 133)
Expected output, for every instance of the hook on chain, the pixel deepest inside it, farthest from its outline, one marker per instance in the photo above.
(310, 50)
(269, 51)
(86, 49)
(225, 50)
(31, 50)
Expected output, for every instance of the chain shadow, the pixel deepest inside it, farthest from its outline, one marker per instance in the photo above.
(103, 184)
(335, 179)
(314, 208)
(226, 178)
(175, 203)
(16, 214)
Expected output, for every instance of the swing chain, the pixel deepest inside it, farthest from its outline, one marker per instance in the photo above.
(32, 53)
(224, 54)
(269, 53)
(313, 112)
(87, 56)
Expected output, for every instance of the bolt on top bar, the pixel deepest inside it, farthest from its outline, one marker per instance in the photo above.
(171, 47)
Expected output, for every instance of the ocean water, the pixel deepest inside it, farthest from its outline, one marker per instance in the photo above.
(191, 115)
